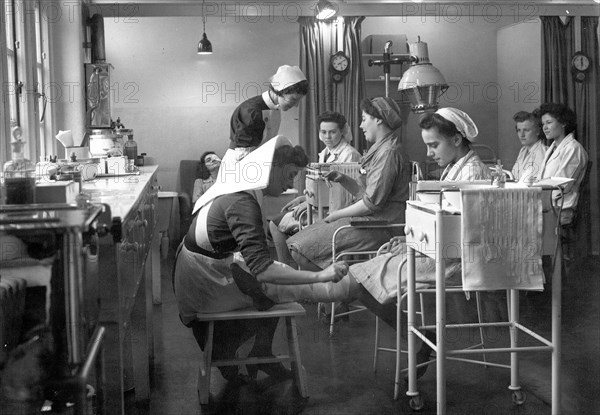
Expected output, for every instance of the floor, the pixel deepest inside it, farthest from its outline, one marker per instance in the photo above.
(340, 369)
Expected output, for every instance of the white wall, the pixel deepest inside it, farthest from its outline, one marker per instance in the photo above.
(519, 76)
(179, 103)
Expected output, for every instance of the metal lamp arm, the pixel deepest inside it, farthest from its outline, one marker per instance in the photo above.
(405, 57)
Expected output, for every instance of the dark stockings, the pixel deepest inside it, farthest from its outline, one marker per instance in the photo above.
(228, 336)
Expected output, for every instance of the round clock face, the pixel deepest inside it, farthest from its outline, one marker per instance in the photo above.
(580, 62)
(339, 62)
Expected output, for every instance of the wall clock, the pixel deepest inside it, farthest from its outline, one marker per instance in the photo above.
(339, 65)
(580, 64)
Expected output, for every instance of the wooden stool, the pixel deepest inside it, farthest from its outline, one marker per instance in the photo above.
(287, 310)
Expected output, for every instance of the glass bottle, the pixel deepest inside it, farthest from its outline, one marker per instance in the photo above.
(499, 177)
(19, 173)
(131, 148)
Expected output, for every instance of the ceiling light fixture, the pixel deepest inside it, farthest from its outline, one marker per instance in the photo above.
(204, 46)
(325, 10)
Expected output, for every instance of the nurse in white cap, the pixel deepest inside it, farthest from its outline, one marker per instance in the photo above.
(448, 134)
(247, 126)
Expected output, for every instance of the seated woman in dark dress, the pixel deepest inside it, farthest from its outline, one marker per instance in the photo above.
(380, 193)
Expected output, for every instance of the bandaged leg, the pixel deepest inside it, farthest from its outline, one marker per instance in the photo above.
(324, 292)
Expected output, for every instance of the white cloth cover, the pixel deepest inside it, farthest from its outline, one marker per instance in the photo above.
(502, 239)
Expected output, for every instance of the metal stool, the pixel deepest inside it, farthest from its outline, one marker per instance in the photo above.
(287, 310)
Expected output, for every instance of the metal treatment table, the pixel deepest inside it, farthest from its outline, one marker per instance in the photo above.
(436, 233)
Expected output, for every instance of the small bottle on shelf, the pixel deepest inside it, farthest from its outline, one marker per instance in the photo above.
(19, 173)
(131, 148)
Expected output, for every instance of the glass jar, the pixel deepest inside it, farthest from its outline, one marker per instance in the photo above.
(131, 148)
(19, 174)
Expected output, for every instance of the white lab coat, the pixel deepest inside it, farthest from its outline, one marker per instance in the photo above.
(467, 168)
(530, 161)
(569, 159)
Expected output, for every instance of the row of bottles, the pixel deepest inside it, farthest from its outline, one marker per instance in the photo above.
(20, 173)
(130, 147)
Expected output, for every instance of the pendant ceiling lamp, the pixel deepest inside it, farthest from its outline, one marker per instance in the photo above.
(204, 46)
(325, 10)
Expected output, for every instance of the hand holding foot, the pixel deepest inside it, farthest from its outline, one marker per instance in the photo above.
(335, 272)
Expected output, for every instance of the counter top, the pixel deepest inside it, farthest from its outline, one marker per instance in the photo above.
(119, 192)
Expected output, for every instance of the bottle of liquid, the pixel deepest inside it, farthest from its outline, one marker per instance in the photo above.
(131, 148)
(19, 173)
(499, 176)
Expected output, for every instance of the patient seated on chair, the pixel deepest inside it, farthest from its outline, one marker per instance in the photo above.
(335, 133)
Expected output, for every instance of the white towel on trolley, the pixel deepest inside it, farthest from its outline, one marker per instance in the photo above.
(502, 239)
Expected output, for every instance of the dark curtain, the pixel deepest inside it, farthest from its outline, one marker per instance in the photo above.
(558, 85)
(587, 98)
(317, 41)
(557, 50)
(351, 91)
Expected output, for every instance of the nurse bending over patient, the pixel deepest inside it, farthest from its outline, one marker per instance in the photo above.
(227, 235)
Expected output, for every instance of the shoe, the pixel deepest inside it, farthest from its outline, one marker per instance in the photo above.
(340, 308)
(423, 356)
(251, 287)
(275, 371)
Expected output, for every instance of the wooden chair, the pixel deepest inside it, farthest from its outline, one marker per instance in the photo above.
(288, 311)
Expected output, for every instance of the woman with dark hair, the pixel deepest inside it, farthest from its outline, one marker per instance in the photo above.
(207, 173)
(380, 193)
(531, 156)
(565, 157)
(228, 229)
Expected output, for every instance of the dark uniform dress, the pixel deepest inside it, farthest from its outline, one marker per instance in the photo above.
(202, 278)
(247, 124)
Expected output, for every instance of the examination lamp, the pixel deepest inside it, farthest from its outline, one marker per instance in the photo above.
(324, 10)
(421, 84)
(204, 46)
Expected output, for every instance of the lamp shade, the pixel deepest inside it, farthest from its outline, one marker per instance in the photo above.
(325, 10)
(204, 46)
(422, 85)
